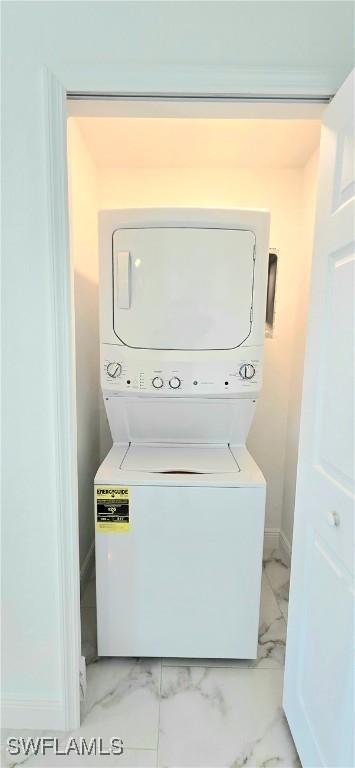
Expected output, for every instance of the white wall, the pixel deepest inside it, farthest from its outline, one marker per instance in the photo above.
(281, 191)
(83, 213)
(309, 189)
(245, 47)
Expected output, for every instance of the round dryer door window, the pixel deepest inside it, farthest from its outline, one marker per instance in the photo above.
(182, 287)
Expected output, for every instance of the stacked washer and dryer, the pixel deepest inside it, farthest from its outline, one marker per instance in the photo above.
(179, 501)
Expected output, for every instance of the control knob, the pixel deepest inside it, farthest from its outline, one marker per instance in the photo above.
(175, 382)
(114, 370)
(246, 371)
(157, 382)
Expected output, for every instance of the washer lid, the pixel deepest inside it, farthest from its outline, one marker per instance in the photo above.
(179, 459)
(183, 287)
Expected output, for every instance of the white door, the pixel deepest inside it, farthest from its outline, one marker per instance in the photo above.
(318, 695)
(183, 287)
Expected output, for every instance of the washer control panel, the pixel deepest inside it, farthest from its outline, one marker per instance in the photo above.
(239, 375)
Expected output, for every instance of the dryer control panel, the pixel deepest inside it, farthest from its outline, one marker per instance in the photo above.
(240, 375)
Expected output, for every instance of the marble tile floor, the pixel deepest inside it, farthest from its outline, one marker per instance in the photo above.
(173, 713)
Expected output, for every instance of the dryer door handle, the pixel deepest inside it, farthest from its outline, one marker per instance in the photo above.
(123, 278)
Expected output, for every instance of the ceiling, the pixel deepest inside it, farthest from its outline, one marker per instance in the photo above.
(209, 143)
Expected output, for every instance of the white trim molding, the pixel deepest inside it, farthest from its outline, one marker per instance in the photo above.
(285, 547)
(66, 713)
(275, 539)
(194, 80)
(27, 714)
(63, 388)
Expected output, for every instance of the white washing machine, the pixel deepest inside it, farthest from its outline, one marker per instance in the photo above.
(179, 501)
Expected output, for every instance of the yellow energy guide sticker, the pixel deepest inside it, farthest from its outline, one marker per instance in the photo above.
(112, 509)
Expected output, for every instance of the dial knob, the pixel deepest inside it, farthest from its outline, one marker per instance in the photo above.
(174, 382)
(113, 370)
(246, 371)
(157, 382)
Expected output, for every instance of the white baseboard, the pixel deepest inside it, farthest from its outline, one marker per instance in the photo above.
(22, 714)
(87, 566)
(42, 714)
(276, 539)
(271, 541)
(285, 547)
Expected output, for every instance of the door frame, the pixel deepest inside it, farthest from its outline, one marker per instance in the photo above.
(248, 101)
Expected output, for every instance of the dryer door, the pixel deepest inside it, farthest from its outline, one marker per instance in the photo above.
(183, 287)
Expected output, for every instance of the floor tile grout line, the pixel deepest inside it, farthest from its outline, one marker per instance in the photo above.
(257, 668)
(201, 665)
